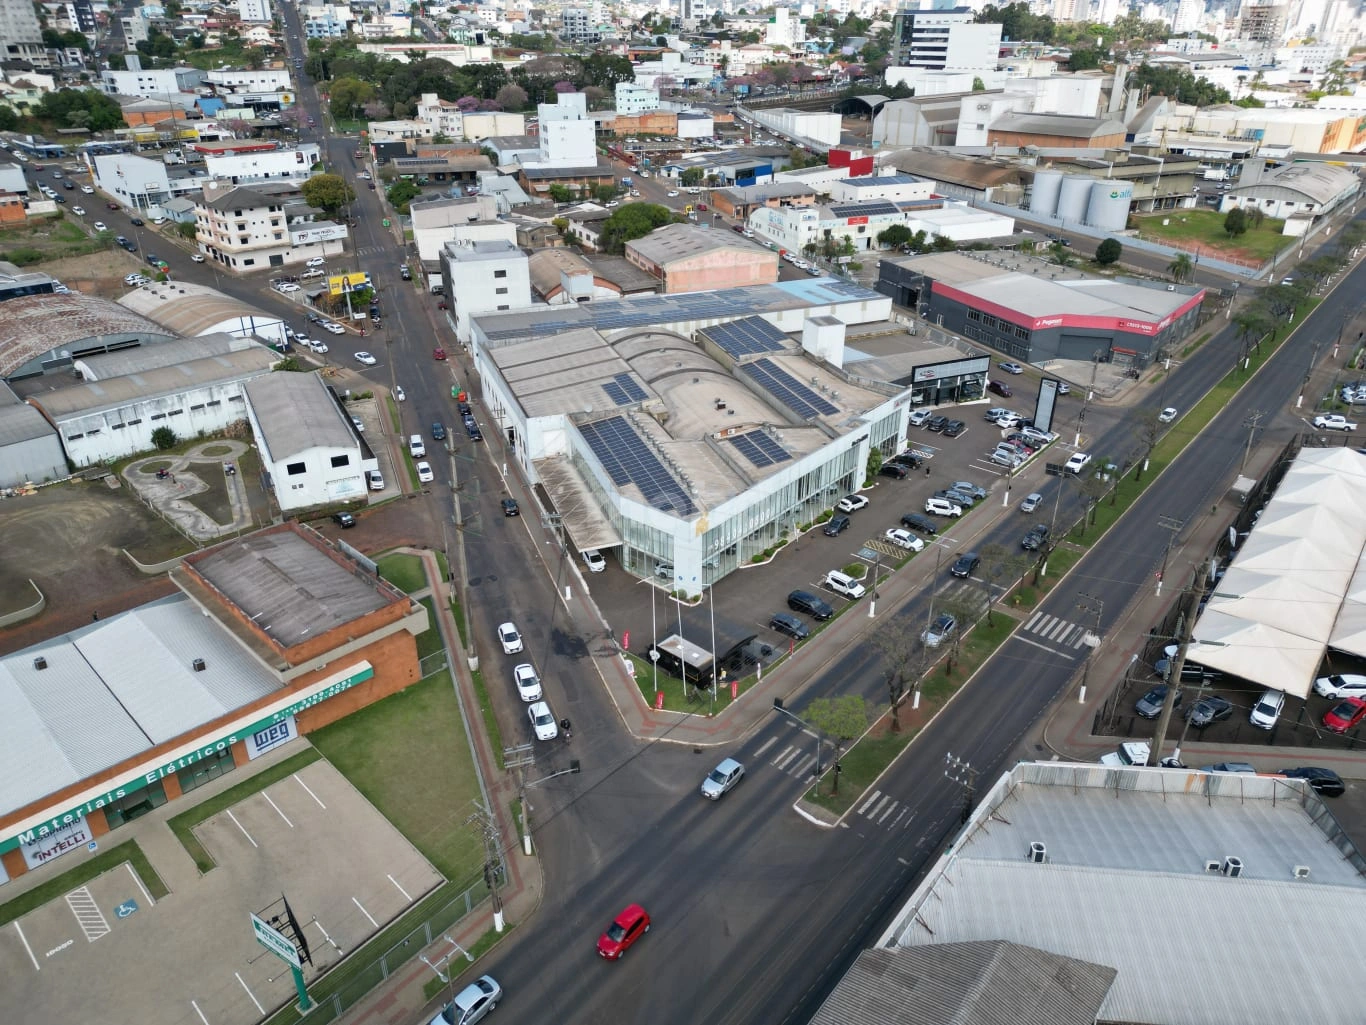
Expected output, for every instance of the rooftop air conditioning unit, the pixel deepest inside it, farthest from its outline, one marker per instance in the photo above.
(199, 665)
(1212, 865)
(1038, 853)
(1233, 866)
(40, 663)
(1301, 871)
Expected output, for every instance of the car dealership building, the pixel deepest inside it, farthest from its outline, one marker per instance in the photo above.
(1033, 311)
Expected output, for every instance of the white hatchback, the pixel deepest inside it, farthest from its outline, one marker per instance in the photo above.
(942, 507)
(509, 638)
(542, 721)
(528, 683)
(904, 539)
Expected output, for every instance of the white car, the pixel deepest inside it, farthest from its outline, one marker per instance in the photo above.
(1267, 709)
(399, 393)
(1003, 457)
(287, 286)
(197, 258)
(358, 424)
(158, 221)
(592, 558)
(1340, 686)
(942, 507)
(316, 261)
(335, 329)
(851, 503)
(528, 683)
(135, 279)
(1007, 420)
(1334, 422)
(424, 473)
(1031, 502)
(673, 193)
(472, 1003)
(1167, 415)
(101, 226)
(542, 721)
(1077, 463)
(87, 190)
(904, 539)
(509, 638)
(376, 480)
(365, 359)
(417, 448)
(316, 344)
(79, 211)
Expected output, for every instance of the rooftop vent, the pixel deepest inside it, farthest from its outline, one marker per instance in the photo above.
(40, 663)
(1301, 871)
(1233, 867)
(1212, 865)
(1038, 853)
(199, 665)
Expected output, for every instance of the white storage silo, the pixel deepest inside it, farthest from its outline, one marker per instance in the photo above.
(1108, 208)
(1073, 197)
(1043, 199)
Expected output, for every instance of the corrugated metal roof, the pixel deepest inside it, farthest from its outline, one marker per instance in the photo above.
(21, 422)
(188, 309)
(295, 413)
(102, 366)
(37, 324)
(1074, 126)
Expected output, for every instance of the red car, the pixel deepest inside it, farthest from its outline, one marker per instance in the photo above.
(626, 928)
(1345, 714)
(111, 206)
(438, 353)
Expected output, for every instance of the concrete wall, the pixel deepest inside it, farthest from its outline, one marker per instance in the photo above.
(728, 268)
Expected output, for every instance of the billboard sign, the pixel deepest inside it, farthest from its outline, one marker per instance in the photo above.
(275, 941)
(337, 284)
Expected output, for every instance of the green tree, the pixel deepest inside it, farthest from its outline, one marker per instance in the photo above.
(349, 97)
(164, 438)
(187, 230)
(943, 244)
(561, 193)
(874, 463)
(401, 193)
(1109, 252)
(512, 97)
(1085, 59)
(604, 193)
(692, 176)
(1235, 222)
(894, 235)
(328, 192)
(904, 661)
(1181, 268)
(978, 86)
(88, 107)
(632, 221)
(841, 719)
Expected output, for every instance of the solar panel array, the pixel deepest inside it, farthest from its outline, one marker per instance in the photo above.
(872, 208)
(747, 337)
(624, 389)
(628, 460)
(760, 449)
(788, 390)
(848, 289)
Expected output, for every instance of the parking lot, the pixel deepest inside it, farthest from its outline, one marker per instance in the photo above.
(311, 837)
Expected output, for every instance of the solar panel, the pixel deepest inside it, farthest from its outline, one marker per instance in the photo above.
(616, 393)
(628, 460)
(760, 449)
(848, 288)
(631, 387)
(872, 208)
(747, 337)
(788, 390)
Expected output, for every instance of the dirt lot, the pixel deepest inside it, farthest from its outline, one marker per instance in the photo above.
(67, 539)
(99, 274)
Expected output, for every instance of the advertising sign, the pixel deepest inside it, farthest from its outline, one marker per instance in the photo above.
(275, 942)
(339, 283)
(857, 220)
(271, 737)
(56, 843)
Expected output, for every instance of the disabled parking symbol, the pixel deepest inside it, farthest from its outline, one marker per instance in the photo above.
(126, 909)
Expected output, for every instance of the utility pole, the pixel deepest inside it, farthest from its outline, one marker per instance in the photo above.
(1089, 603)
(877, 575)
(519, 757)
(1184, 628)
(778, 707)
(1173, 525)
(483, 820)
(962, 773)
(1252, 422)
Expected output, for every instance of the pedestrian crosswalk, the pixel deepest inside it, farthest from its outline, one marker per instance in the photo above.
(796, 760)
(1059, 631)
(370, 250)
(884, 811)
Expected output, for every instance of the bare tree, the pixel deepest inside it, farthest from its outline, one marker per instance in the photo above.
(999, 566)
(904, 661)
(1149, 429)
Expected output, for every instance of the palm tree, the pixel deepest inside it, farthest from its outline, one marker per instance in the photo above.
(1181, 268)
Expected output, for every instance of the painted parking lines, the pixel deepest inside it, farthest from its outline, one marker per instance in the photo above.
(88, 914)
(24, 940)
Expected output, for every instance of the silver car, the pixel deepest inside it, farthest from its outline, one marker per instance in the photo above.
(472, 1003)
(722, 779)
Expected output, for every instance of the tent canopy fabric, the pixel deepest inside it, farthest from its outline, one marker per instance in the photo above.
(1298, 584)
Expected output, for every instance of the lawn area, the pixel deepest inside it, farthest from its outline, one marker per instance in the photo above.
(48, 238)
(403, 571)
(1206, 229)
(214, 501)
(429, 640)
(408, 755)
(695, 701)
(182, 825)
(868, 757)
(82, 874)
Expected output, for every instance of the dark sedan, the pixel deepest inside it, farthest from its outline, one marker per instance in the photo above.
(510, 507)
(965, 565)
(1323, 781)
(1150, 705)
(786, 623)
(937, 424)
(894, 470)
(1209, 709)
(954, 428)
(1034, 539)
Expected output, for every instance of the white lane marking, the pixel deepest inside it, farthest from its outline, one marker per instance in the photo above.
(400, 889)
(244, 831)
(871, 798)
(250, 994)
(1045, 624)
(364, 912)
(138, 883)
(1066, 636)
(889, 811)
(1057, 631)
(278, 811)
(880, 805)
(802, 767)
(767, 744)
(788, 754)
(310, 792)
(1045, 647)
(24, 940)
(905, 809)
(1032, 620)
(1081, 639)
(328, 938)
(199, 1012)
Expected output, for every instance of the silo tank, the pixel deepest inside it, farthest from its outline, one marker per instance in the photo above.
(1043, 200)
(1074, 197)
(1108, 209)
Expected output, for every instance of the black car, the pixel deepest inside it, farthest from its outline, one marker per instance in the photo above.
(896, 470)
(937, 424)
(1000, 388)
(907, 459)
(59, 199)
(1034, 539)
(472, 429)
(68, 185)
(965, 565)
(1323, 781)
(787, 623)
(954, 428)
(510, 507)
(135, 222)
(466, 409)
(343, 519)
(313, 318)
(1150, 705)
(805, 601)
(837, 525)
(438, 431)
(1209, 709)
(914, 521)
(1189, 670)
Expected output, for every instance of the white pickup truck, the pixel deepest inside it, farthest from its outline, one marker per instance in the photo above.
(1333, 422)
(1131, 752)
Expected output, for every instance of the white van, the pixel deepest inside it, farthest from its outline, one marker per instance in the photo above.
(842, 583)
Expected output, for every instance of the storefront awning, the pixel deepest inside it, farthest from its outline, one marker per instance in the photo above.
(579, 511)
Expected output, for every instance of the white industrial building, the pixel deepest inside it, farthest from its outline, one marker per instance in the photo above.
(816, 126)
(632, 98)
(794, 227)
(896, 188)
(483, 276)
(689, 431)
(295, 164)
(154, 83)
(251, 79)
(695, 124)
(192, 311)
(142, 184)
(672, 69)
(1299, 192)
(30, 450)
(310, 451)
(254, 10)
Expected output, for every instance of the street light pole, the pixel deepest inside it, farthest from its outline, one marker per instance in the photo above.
(1089, 603)
(1174, 526)
(778, 707)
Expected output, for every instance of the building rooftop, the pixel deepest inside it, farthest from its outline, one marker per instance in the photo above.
(36, 324)
(102, 366)
(481, 249)
(944, 167)
(298, 412)
(18, 420)
(674, 242)
(1321, 183)
(1132, 875)
(188, 309)
(1074, 126)
(113, 690)
(881, 181)
(240, 198)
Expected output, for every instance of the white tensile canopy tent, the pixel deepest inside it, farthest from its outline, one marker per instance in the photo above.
(1298, 584)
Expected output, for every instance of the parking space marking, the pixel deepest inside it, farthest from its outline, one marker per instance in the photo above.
(250, 995)
(310, 792)
(88, 914)
(199, 1012)
(277, 810)
(330, 942)
(400, 889)
(138, 883)
(244, 832)
(767, 744)
(364, 912)
(24, 940)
